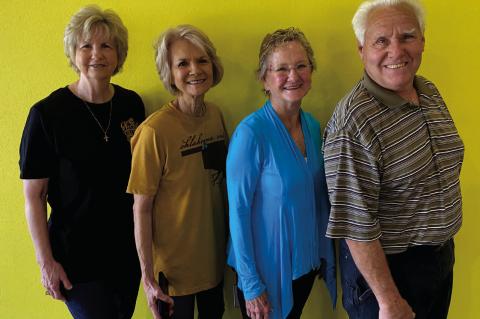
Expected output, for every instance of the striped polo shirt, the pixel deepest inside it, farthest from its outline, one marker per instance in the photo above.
(393, 168)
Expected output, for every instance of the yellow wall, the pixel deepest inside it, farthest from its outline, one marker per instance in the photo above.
(32, 65)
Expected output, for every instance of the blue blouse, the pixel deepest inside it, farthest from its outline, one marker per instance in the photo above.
(278, 208)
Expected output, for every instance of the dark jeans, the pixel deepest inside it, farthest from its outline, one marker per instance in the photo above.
(210, 304)
(103, 299)
(423, 275)
(301, 290)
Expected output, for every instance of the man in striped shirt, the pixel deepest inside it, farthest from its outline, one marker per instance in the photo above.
(393, 158)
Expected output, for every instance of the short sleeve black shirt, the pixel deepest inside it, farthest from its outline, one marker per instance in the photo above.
(91, 220)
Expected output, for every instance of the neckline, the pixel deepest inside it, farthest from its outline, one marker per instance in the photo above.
(94, 105)
(305, 132)
(171, 106)
(390, 98)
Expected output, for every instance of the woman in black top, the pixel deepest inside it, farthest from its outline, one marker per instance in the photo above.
(75, 155)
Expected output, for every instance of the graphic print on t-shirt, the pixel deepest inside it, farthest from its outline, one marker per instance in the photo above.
(214, 153)
(128, 127)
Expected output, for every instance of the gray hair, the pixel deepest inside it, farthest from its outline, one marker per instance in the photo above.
(359, 21)
(194, 36)
(86, 22)
(273, 40)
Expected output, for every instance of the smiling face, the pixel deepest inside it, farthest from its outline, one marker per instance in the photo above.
(191, 68)
(96, 57)
(393, 47)
(288, 77)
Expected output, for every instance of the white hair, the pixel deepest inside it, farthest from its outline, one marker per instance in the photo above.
(359, 21)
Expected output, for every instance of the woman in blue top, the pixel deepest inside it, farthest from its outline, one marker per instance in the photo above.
(276, 189)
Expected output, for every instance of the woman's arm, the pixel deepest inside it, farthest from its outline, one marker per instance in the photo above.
(142, 210)
(35, 191)
(243, 170)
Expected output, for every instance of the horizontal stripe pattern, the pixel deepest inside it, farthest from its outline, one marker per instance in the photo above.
(393, 168)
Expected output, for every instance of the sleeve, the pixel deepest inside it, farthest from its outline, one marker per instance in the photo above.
(243, 169)
(147, 162)
(37, 154)
(353, 181)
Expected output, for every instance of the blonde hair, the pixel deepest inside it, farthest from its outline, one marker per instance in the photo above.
(273, 40)
(89, 20)
(194, 36)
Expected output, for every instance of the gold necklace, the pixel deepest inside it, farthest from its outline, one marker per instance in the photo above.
(105, 131)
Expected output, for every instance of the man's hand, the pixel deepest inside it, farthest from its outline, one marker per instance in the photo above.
(396, 309)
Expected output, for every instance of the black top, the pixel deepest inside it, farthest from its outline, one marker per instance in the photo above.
(91, 220)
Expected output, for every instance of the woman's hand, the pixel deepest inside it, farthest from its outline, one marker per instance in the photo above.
(142, 214)
(154, 293)
(259, 308)
(53, 276)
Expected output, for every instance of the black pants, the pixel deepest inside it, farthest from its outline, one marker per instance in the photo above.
(210, 304)
(423, 275)
(301, 290)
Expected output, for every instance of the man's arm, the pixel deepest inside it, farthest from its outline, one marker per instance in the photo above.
(372, 263)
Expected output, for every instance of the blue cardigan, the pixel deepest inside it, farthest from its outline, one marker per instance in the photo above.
(279, 208)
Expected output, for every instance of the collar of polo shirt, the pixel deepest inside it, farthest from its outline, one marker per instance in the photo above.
(389, 98)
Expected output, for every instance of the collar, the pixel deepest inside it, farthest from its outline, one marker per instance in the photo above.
(388, 97)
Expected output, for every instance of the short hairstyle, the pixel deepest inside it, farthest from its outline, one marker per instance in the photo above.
(89, 20)
(196, 37)
(273, 40)
(359, 21)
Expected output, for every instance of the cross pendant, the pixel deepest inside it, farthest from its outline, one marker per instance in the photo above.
(105, 137)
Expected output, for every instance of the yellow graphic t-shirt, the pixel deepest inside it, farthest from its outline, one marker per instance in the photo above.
(180, 159)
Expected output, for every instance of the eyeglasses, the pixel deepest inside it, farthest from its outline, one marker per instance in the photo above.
(284, 70)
